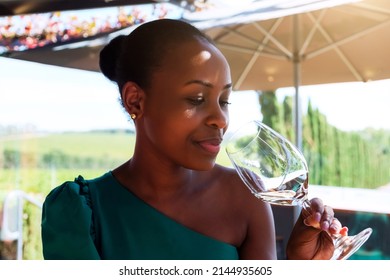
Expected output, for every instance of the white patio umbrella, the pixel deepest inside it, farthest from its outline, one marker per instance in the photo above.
(306, 46)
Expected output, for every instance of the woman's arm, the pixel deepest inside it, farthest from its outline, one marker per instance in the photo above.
(67, 224)
(260, 242)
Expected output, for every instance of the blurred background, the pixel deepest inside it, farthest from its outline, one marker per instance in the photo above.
(316, 71)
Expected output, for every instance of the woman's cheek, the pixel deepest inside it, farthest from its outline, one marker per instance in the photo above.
(189, 113)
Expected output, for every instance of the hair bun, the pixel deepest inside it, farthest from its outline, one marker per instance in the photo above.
(109, 56)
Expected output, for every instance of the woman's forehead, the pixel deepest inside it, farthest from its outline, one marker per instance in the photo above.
(194, 61)
(195, 52)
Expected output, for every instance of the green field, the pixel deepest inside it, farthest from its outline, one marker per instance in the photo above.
(40, 162)
(95, 144)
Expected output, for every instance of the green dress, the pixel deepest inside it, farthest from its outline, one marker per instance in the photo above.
(100, 219)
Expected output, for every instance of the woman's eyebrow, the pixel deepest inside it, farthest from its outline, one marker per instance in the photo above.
(207, 84)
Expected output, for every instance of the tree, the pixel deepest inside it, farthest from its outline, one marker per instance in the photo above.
(288, 118)
(270, 109)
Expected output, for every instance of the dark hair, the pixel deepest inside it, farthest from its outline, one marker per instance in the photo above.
(136, 56)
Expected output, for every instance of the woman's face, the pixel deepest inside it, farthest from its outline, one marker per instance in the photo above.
(186, 108)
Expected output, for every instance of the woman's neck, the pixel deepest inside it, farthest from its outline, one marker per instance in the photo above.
(154, 178)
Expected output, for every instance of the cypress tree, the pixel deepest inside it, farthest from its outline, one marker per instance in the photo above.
(270, 109)
(337, 160)
(287, 123)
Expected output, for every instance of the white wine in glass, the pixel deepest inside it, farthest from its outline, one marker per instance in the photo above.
(275, 171)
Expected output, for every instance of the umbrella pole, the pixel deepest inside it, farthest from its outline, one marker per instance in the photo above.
(297, 81)
(297, 103)
(297, 107)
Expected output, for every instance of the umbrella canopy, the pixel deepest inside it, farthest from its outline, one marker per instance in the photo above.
(340, 43)
(344, 43)
(83, 53)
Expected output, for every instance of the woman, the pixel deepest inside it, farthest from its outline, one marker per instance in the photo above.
(171, 200)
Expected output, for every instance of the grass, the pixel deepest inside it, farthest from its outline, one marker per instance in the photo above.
(102, 149)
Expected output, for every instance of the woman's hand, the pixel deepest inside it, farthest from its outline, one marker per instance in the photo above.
(310, 237)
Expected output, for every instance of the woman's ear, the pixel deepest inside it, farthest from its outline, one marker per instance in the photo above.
(133, 99)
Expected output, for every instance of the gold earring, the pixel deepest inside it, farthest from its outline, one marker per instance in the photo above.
(133, 116)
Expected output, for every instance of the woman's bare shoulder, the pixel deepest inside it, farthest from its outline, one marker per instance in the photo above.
(258, 241)
(227, 173)
(229, 179)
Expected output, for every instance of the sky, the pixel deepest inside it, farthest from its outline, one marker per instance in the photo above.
(55, 99)
(350, 106)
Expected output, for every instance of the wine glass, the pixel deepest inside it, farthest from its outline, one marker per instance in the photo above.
(275, 171)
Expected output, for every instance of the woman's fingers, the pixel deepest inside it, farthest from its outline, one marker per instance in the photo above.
(313, 220)
(337, 228)
(316, 205)
(322, 217)
(327, 218)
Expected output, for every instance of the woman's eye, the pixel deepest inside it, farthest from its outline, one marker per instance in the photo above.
(225, 103)
(196, 101)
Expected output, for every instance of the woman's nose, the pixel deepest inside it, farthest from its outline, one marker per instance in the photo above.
(218, 117)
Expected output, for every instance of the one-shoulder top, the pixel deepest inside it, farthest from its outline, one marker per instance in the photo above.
(101, 219)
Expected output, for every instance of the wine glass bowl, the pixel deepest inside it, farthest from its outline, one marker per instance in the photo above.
(271, 167)
(276, 172)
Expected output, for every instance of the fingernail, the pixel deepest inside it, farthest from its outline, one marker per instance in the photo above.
(325, 225)
(333, 227)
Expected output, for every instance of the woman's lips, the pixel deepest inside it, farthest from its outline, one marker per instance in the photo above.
(211, 146)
